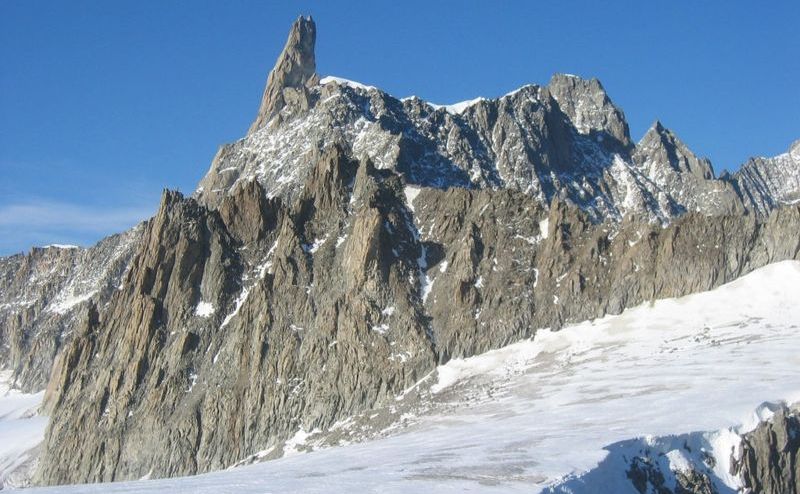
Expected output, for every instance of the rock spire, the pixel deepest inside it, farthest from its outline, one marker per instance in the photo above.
(294, 71)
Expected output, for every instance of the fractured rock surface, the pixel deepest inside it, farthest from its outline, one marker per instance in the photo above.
(769, 455)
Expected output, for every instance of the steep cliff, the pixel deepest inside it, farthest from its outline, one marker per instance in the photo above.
(42, 295)
(767, 183)
(565, 140)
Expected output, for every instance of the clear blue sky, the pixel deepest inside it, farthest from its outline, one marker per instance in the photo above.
(103, 104)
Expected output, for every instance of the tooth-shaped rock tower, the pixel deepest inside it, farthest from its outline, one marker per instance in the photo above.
(294, 71)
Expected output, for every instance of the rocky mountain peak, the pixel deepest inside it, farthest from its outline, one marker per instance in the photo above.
(587, 105)
(566, 139)
(294, 71)
(661, 146)
(766, 183)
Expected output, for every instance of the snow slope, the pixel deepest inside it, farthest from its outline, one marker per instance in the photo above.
(21, 429)
(536, 414)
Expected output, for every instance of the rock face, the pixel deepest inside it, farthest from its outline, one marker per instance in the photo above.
(268, 328)
(769, 455)
(647, 476)
(41, 299)
(295, 70)
(685, 178)
(351, 241)
(587, 106)
(767, 183)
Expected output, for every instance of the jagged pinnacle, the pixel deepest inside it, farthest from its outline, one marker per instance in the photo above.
(294, 71)
(661, 140)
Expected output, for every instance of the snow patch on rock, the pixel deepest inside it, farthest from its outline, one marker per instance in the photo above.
(204, 309)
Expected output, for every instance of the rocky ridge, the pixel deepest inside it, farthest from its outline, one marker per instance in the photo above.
(43, 293)
(566, 140)
(351, 241)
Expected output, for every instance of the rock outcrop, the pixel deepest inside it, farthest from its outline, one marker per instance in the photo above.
(268, 328)
(769, 460)
(293, 73)
(762, 461)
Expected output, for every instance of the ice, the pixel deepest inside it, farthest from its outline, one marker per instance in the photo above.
(192, 381)
(631, 243)
(296, 443)
(531, 240)
(64, 303)
(315, 245)
(381, 329)
(426, 283)
(544, 226)
(238, 305)
(515, 91)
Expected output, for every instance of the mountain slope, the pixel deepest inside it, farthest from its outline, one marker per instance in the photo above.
(767, 183)
(566, 140)
(41, 299)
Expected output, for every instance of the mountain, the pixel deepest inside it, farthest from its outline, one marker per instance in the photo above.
(675, 396)
(349, 244)
(41, 296)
